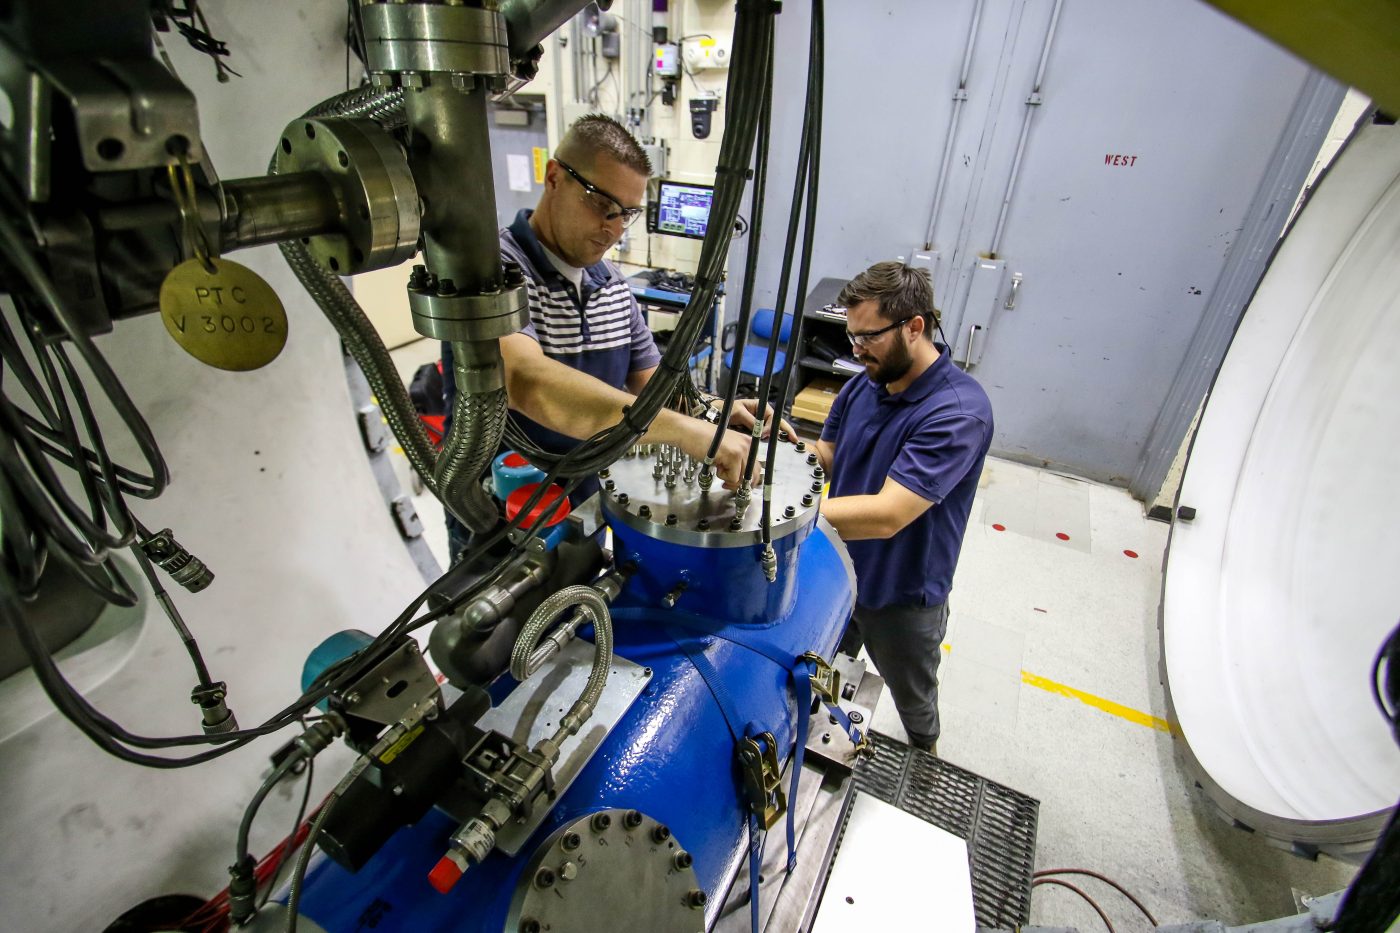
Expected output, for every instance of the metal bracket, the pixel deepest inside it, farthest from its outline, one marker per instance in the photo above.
(406, 517)
(826, 681)
(372, 429)
(398, 683)
(758, 764)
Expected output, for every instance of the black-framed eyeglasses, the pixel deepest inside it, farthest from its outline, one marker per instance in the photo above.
(868, 337)
(605, 204)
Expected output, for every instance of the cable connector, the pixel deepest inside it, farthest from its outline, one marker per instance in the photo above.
(184, 568)
(210, 698)
(770, 563)
(242, 891)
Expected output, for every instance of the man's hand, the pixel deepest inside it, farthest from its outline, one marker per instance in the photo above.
(745, 413)
(694, 436)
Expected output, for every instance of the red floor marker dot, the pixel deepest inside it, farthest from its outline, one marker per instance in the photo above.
(998, 527)
(1062, 536)
(1130, 553)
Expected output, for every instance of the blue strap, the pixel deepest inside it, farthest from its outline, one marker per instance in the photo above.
(696, 653)
(755, 864)
(802, 687)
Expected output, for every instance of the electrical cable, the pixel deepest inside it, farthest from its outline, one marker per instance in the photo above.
(1092, 903)
(289, 844)
(812, 131)
(1106, 880)
(304, 858)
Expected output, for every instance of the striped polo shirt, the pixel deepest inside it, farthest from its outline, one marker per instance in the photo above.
(601, 332)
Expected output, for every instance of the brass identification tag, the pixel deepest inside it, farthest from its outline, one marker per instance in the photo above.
(230, 319)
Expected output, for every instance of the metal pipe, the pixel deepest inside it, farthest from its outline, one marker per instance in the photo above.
(450, 155)
(954, 118)
(530, 21)
(1032, 102)
(272, 208)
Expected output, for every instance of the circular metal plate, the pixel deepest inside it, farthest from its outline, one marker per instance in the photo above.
(605, 871)
(652, 499)
(371, 179)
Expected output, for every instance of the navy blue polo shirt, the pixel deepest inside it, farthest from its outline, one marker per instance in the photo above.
(600, 332)
(932, 439)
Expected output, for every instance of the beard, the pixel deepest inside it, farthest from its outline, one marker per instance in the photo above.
(894, 365)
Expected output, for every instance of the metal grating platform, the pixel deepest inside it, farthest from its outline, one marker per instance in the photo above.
(997, 822)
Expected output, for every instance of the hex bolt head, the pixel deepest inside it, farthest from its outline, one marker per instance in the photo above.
(622, 498)
(826, 738)
(789, 512)
(801, 447)
(783, 436)
(644, 511)
(660, 834)
(572, 841)
(610, 485)
(447, 287)
(632, 819)
(806, 499)
(671, 518)
(601, 822)
(816, 486)
(703, 524)
(604, 473)
(544, 878)
(1186, 513)
(736, 523)
(682, 860)
(818, 472)
(568, 871)
(812, 459)
(696, 898)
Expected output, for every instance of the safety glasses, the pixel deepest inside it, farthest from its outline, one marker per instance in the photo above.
(609, 207)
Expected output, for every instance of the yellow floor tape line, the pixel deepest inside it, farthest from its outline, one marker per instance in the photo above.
(1099, 703)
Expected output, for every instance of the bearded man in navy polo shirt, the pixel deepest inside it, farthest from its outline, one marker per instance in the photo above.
(904, 445)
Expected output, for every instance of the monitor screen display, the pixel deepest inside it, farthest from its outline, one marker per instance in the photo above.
(682, 209)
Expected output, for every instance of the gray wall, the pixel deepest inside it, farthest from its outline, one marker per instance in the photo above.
(1119, 262)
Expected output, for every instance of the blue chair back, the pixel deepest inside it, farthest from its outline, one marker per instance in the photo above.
(763, 325)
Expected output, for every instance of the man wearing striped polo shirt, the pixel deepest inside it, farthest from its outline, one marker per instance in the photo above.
(587, 349)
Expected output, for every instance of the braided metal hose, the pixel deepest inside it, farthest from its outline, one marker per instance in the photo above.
(478, 419)
(595, 609)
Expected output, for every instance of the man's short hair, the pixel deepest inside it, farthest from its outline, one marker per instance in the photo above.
(596, 134)
(899, 291)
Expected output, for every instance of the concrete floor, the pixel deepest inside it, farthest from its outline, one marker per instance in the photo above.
(1033, 612)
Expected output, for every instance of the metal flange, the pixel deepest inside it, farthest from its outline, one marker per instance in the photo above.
(441, 312)
(369, 174)
(407, 43)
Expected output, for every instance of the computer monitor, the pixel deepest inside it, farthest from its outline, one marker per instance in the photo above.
(681, 209)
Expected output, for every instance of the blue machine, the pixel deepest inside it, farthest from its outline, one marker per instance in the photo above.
(719, 640)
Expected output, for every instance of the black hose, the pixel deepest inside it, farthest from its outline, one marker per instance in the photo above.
(812, 130)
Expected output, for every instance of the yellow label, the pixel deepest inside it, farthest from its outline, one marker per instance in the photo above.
(541, 157)
(707, 43)
(229, 318)
(395, 750)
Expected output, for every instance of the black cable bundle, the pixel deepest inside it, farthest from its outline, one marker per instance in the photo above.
(748, 86)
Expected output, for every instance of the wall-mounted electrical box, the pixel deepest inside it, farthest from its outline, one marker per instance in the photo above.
(667, 62)
(706, 52)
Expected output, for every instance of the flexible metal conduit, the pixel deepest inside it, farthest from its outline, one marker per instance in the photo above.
(1032, 102)
(592, 608)
(954, 117)
(478, 419)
